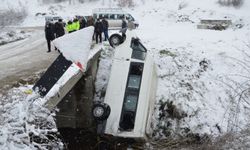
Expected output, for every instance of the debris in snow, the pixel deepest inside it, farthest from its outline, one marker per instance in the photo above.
(9, 36)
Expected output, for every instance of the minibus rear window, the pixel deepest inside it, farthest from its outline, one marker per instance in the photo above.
(139, 51)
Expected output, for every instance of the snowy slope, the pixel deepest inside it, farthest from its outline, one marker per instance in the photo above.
(22, 122)
(199, 70)
(203, 74)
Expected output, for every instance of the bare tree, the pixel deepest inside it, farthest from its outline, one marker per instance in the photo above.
(235, 3)
(126, 3)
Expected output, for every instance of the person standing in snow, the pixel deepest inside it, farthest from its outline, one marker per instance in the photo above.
(69, 26)
(76, 24)
(83, 23)
(124, 23)
(105, 28)
(98, 30)
(90, 21)
(59, 28)
(49, 34)
(124, 27)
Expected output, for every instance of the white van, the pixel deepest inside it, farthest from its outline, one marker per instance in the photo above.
(114, 16)
(52, 19)
(129, 101)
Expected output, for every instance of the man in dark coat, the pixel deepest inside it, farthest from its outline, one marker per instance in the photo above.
(124, 23)
(83, 23)
(98, 31)
(124, 27)
(59, 28)
(105, 28)
(49, 34)
(90, 21)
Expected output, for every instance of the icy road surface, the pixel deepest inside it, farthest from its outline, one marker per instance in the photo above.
(24, 58)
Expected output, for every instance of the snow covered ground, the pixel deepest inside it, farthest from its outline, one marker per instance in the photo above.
(203, 74)
(25, 57)
(9, 36)
(22, 122)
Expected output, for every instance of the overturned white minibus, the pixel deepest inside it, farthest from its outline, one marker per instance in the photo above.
(130, 96)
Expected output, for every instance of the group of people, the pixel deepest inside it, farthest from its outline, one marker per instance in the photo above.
(53, 31)
(56, 30)
(77, 24)
(101, 26)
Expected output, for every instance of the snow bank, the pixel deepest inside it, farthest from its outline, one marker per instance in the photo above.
(24, 125)
(12, 35)
(76, 46)
(201, 72)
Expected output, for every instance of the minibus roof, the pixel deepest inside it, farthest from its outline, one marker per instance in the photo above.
(109, 11)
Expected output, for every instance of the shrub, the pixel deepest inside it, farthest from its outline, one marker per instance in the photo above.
(126, 3)
(182, 5)
(234, 3)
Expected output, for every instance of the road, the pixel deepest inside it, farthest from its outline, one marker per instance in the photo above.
(24, 58)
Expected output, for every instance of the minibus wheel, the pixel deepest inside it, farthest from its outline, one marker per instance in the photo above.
(115, 40)
(100, 111)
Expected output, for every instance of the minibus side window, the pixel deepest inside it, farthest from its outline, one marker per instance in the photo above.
(106, 16)
(132, 91)
(101, 16)
(112, 16)
(120, 16)
(95, 16)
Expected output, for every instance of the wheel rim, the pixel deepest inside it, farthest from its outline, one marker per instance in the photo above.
(98, 111)
(115, 41)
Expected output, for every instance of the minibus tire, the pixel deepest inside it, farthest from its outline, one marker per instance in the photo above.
(115, 40)
(100, 111)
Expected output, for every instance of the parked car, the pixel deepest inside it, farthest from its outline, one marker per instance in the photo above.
(129, 100)
(114, 16)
